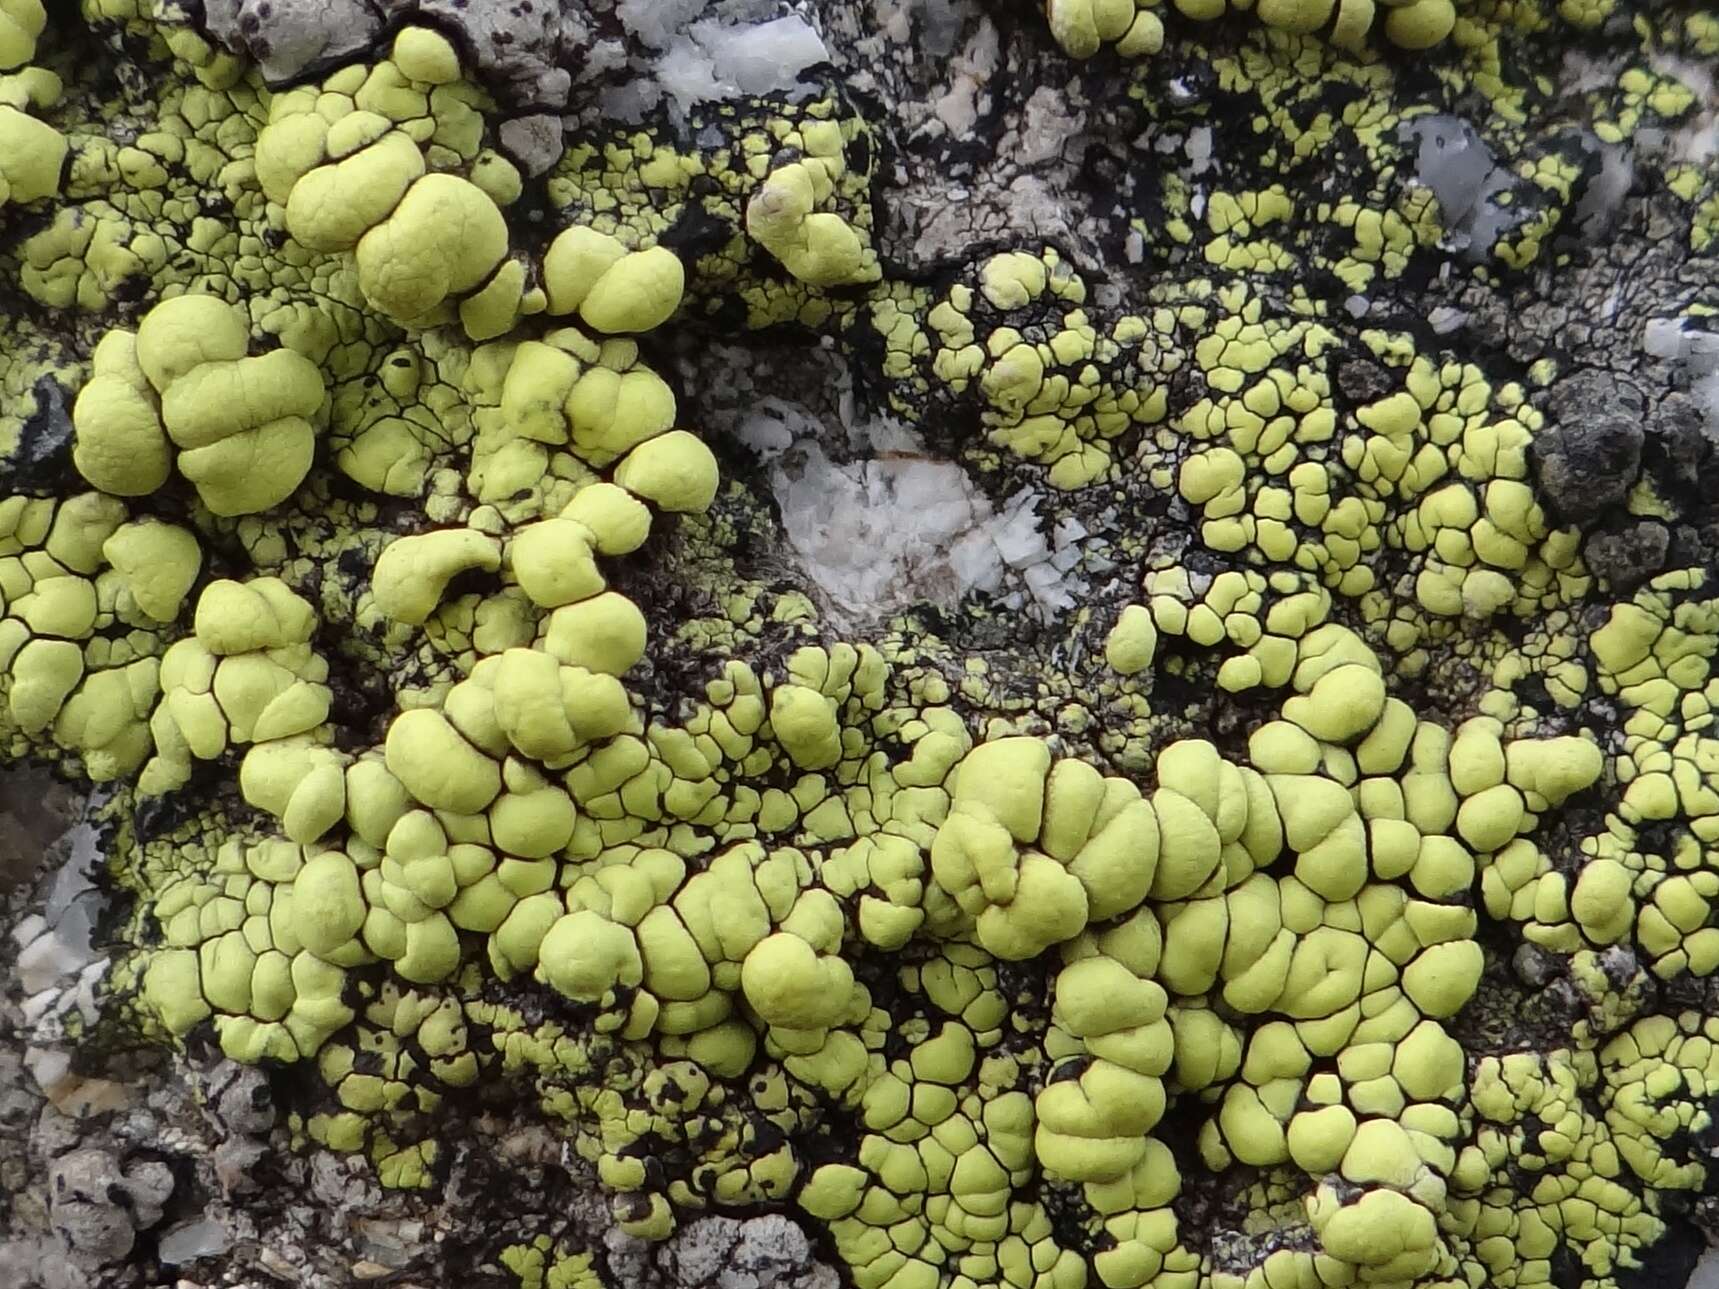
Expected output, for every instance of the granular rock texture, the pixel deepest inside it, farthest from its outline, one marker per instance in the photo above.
(667, 643)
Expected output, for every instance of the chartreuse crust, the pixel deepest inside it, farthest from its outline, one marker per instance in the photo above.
(988, 968)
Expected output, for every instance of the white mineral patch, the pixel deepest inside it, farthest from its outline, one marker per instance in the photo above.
(1445, 320)
(880, 534)
(1454, 161)
(1696, 354)
(657, 22)
(1696, 138)
(1457, 165)
(970, 73)
(188, 1241)
(702, 58)
(57, 944)
(1598, 208)
(1706, 1273)
(1199, 149)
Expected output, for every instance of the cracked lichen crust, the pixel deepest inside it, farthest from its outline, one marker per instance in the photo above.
(356, 528)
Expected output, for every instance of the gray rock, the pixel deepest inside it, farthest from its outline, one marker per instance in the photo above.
(534, 141)
(1706, 1273)
(1364, 380)
(94, 1233)
(188, 1241)
(1534, 966)
(244, 1103)
(1589, 461)
(17, 1103)
(289, 38)
(700, 1250)
(45, 438)
(1628, 556)
(519, 47)
(98, 1206)
(1680, 425)
(769, 1252)
(235, 1163)
(35, 810)
(628, 1257)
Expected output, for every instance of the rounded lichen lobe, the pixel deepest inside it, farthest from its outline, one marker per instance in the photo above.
(1184, 901)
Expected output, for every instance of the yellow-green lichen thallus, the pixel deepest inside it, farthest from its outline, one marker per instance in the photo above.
(382, 552)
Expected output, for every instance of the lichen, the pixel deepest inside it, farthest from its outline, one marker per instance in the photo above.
(356, 529)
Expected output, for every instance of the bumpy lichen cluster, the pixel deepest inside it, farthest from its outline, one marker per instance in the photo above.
(339, 508)
(1135, 28)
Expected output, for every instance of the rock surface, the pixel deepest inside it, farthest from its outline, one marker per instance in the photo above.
(911, 437)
